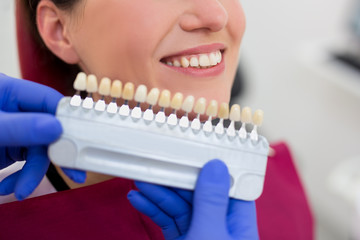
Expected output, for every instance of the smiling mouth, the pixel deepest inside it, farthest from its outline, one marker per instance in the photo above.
(201, 60)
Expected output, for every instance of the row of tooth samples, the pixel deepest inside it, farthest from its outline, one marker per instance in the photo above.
(116, 90)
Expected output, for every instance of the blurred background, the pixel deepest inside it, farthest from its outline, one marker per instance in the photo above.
(300, 65)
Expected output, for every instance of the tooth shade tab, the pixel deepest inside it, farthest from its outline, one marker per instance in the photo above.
(80, 82)
(188, 104)
(212, 109)
(128, 92)
(258, 117)
(176, 101)
(153, 96)
(235, 113)
(91, 85)
(246, 115)
(164, 100)
(141, 94)
(224, 111)
(200, 106)
(105, 86)
(116, 89)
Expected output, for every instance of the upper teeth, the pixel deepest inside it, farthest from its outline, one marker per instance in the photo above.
(198, 61)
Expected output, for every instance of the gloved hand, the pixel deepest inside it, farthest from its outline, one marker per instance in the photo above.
(208, 214)
(27, 127)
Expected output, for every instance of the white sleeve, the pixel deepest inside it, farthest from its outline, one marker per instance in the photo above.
(45, 186)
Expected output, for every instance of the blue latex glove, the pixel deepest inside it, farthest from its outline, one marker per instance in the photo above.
(207, 214)
(27, 127)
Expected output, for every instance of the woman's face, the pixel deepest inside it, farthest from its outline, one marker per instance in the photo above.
(133, 40)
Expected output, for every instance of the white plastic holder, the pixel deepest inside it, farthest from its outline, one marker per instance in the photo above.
(139, 150)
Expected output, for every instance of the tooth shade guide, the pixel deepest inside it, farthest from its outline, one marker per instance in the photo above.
(77, 122)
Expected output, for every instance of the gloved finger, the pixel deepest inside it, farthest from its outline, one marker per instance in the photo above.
(145, 206)
(8, 156)
(187, 195)
(16, 153)
(33, 172)
(242, 219)
(77, 176)
(7, 185)
(27, 129)
(29, 96)
(211, 196)
(169, 202)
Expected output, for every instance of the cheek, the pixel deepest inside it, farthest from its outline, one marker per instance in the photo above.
(237, 21)
(123, 48)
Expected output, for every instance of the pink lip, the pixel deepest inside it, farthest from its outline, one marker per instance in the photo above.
(201, 72)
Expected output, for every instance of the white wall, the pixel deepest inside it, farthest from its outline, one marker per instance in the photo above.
(302, 96)
(8, 54)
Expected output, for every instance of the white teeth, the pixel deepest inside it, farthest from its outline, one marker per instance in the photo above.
(201, 60)
(177, 63)
(184, 62)
(218, 56)
(213, 59)
(204, 60)
(194, 62)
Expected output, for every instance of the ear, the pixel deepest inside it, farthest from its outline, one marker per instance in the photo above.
(53, 26)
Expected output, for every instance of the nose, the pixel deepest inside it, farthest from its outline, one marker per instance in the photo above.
(204, 14)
